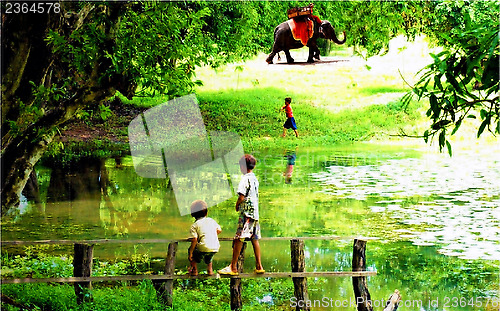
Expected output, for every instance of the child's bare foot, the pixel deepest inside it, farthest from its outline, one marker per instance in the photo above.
(193, 271)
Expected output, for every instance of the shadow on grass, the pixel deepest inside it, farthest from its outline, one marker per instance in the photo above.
(317, 62)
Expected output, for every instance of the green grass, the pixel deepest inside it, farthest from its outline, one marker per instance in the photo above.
(333, 102)
(253, 114)
(62, 297)
(143, 102)
(188, 295)
(198, 295)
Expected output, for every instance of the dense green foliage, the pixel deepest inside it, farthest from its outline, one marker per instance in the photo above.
(463, 81)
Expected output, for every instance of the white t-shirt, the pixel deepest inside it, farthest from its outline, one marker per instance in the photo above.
(250, 206)
(204, 230)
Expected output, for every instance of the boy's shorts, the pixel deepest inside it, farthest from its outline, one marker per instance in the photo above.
(290, 123)
(199, 256)
(248, 229)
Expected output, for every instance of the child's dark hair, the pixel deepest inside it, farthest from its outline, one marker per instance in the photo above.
(248, 161)
(288, 100)
(199, 209)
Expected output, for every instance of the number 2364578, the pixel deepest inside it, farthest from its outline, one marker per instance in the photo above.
(30, 7)
(454, 302)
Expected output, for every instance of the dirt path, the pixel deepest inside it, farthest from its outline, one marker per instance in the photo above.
(113, 129)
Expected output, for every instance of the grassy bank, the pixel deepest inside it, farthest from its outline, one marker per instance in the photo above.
(253, 114)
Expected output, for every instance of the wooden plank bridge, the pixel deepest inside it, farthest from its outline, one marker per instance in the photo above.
(83, 259)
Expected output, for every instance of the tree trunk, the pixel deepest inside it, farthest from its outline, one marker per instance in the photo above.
(32, 189)
(17, 166)
(29, 59)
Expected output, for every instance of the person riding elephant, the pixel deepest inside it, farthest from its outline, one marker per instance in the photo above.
(314, 17)
(286, 37)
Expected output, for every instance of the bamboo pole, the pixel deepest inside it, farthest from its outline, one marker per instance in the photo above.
(164, 241)
(235, 283)
(299, 265)
(82, 267)
(361, 293)
(155, 277)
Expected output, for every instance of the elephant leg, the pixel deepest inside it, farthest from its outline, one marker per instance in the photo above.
(269, 59)
(289, 58)
(316, 53)
(310, 59)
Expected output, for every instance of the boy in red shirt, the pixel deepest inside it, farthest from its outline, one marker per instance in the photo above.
(290, 120)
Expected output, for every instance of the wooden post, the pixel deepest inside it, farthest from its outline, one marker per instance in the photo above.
(361, 293)
(235, 283)
(165, 289)
(82, 267)
(299, 265)
(393, 302)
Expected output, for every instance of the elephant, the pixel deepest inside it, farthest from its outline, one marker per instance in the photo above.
(284, 40)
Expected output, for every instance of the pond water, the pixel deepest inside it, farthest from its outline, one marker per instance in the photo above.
(437, 219)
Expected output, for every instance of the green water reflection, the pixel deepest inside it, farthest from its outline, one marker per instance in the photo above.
(345, 191)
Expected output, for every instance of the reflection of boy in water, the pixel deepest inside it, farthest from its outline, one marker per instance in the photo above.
(290, 162)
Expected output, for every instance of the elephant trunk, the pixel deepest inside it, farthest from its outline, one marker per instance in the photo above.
(336, 40)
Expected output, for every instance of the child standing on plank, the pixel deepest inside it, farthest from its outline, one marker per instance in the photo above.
(203, 236)
(248, 223)
(290, 120)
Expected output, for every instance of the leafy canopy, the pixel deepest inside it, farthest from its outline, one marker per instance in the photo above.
(463, 80)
